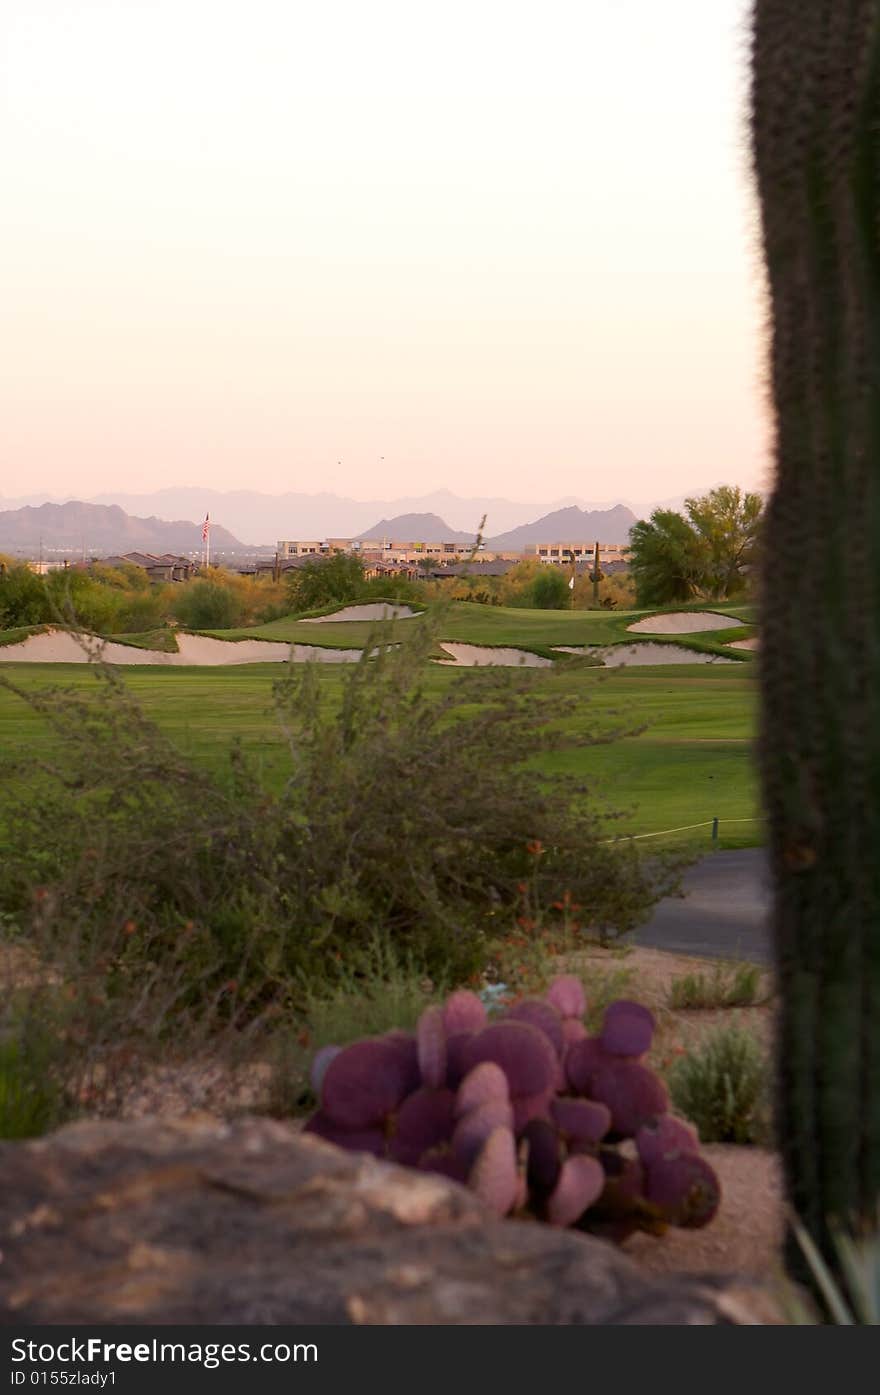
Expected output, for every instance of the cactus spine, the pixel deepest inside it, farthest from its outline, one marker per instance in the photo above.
(815, 131)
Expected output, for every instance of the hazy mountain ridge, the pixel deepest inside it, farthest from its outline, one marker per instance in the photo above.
(85, 528)
(416, 527)
(263, 519)
(569, 525)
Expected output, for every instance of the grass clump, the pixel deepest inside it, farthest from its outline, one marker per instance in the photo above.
(727, 986)
(31, 1097)
(377, 990)
(722, 1088)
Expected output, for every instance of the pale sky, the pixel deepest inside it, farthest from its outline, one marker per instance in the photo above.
(508, 247)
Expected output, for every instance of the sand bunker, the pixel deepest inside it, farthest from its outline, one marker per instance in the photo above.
(199, 651)
(684, 622)
(614, 655)
(744, 643)
(475, 655)
(314, 653)
(59, 647)
(365, 612)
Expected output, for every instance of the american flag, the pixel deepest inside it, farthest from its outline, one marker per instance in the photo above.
(205, 526)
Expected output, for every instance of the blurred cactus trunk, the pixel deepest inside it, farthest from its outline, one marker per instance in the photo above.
(815, 129)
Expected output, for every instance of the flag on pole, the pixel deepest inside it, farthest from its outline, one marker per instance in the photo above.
(205, 526)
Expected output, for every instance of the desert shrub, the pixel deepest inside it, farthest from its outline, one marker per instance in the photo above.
(141, 611)
(24, 599)
(206, 604)
(394, 588)
(515, 587)
(727, 986)
(550, 589)
(31, 1094)
(77, 599)
(722, 1088)
(377, 989)
(616, 592)
(325, 581)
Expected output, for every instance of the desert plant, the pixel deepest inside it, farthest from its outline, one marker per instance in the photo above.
(550, 590)
(527, 1109)
(727, 986)
(31, 1094)
(377, 988)
(722, 1087)
(323, 581)
(206, 604)
(815, 98)
(24, 599)
(852, 1300)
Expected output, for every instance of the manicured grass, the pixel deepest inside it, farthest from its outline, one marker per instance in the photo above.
(691, 763)
(469, 623)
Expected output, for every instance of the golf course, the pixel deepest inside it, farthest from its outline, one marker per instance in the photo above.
(686, 761)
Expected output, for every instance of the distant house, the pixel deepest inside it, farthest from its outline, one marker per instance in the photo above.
(268, 567)
(164, 568)
(476, 568)
(376, 567)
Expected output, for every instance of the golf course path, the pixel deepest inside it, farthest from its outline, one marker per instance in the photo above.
(724, 911)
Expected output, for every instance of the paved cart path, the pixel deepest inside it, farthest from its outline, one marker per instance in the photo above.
(723, 914)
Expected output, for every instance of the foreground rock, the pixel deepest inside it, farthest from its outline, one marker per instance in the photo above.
(200, 1221)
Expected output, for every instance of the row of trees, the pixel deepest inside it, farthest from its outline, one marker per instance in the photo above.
(123, 600)
(531, 584)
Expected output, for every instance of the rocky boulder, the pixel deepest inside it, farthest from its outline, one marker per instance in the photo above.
(251, 1222)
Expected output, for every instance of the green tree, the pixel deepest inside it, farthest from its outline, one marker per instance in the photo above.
(550, 589)
(665, 559)
(206, 604)
(78, 600)
(24, 599)
(815, 115)
(325, 581)
(727, 523)
(704, 554)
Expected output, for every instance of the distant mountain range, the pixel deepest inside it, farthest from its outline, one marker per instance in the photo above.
(82, 529)
(262, 519)
(416, 527)
(562, 525)
(569, 525)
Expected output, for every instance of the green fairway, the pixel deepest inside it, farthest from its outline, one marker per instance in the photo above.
(691, 763)
(535, 630)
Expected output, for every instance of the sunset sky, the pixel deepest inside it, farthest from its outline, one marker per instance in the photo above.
(378, 247)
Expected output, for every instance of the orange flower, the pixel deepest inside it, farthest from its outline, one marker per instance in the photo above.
(535, 847)
(129, 927)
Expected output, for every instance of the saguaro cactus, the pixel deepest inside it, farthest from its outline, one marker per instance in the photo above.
(815, 125)
(596, 575)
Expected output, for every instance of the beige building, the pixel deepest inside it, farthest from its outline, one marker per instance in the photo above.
(561, 553)
(385, 549)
